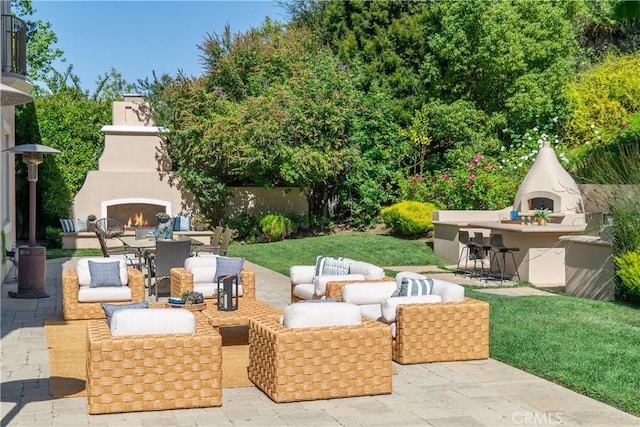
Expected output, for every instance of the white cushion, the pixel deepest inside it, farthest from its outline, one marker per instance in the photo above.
(307, 315)
(448, 291)
(320, 282)
(388, 306)
(304, 291)
(84, 277)
(367, 292)
(371, 311)
(202, 268)
(300, 274)
(370, 271)
(104, 294)
(153, 321)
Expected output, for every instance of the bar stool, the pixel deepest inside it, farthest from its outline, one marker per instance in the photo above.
(468, 249)
(482, 253)
(498, 247)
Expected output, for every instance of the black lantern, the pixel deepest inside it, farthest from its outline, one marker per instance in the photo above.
(228, 292)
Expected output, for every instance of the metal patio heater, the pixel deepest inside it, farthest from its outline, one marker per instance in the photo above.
(32, 258)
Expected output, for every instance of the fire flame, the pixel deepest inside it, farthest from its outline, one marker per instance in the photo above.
(137, 220)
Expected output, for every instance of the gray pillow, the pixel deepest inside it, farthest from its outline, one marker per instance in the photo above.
(226, 266)
(413, 287)
(109, 309)
(104, 274)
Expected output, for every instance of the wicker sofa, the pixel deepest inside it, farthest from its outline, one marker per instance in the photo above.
(153, 372)
(198, 273)
(297, 364)
(73, 309)
(310, 281)
(453, 329)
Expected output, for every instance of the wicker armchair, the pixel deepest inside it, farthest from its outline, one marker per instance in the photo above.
(153, 372)
(436, 332)
(295, 364)
(182, 281)
(441, 332)
(72, 309)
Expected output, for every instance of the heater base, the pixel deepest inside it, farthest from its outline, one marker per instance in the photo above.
(31, 273)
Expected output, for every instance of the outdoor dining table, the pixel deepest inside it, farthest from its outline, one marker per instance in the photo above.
(147, 245)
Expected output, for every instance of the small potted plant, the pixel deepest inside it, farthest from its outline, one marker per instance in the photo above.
(542, 216)
(91, 222)
(190, 298)
(162, 217)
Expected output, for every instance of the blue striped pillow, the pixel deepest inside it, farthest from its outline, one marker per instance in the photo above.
(68, 225)
(414, 287)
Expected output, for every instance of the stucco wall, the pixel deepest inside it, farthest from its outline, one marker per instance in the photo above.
(259, 201)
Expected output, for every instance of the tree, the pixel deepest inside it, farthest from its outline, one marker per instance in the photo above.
(277, 108)
(71, 123)
(41, 40)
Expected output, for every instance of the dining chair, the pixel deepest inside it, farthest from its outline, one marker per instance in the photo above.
(167, 255)
(110, 229)
(217, 247)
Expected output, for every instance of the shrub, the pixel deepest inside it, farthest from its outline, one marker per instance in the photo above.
(409, 217)
(604, 97)
(54, 236)
(246, 225)
(275, 227)
(478, 183)
(628, 273)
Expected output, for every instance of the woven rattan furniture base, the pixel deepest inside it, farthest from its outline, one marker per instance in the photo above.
(442, 332)
(182, 281)
(72, 309)
(247, 309)
(153, 372)
(319, 363)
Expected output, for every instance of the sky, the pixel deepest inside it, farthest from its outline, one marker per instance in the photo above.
(139, 37)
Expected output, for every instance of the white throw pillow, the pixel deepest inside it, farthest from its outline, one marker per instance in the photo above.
(306, 315)
(389, 305)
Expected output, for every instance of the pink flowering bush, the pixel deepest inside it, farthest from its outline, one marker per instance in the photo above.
(479, 183)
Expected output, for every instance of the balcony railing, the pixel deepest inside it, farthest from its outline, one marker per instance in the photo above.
(14, 45)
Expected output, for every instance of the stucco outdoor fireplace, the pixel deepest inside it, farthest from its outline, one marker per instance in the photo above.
(133, 181)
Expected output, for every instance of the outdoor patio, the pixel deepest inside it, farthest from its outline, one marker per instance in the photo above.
(473, 393)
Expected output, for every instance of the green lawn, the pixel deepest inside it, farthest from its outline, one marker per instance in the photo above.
(588, 346)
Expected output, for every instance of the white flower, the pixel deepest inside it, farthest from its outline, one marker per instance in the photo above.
(592, 126)
(555, 119)
(535, 129)
(502, 148)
